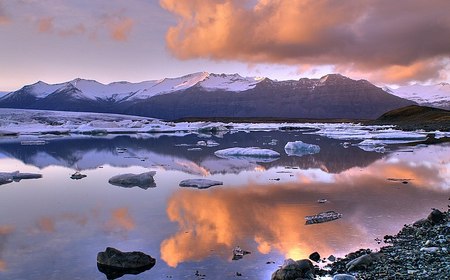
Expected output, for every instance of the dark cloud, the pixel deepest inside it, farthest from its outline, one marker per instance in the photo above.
(408, 38)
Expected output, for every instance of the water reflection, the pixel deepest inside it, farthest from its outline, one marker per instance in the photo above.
(53, 227)
(5, 232)
(173, 153)
(272, 215)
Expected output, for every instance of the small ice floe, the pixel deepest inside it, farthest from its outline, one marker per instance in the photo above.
(273, 142)
(322, 217)
(77, 176)
(143, 180)
(250, 154)
(299, 148)
(400, 180)
(194, 149)
(201, 143)
(346, 145)
(322, 200)
(370, 145)
(120, 150)
(211, 143)
(238, 253)
(9, 177)
(33, 142)
(199, 183)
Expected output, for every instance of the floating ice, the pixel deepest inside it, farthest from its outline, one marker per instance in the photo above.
(250, 154)
(199, 183)
(8, 177)
(322, 217)
(143, 181)
(299, 148)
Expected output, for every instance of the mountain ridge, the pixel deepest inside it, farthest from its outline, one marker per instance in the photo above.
(205, 94)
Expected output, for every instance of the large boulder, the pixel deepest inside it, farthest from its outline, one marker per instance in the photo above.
(129, 180)
(114, 263)
(363, 261)
(294, 270)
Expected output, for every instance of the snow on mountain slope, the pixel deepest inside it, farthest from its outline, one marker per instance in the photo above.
(433, 95)
(118, 91)
(42, 89)
(168, 85)
(233, 82)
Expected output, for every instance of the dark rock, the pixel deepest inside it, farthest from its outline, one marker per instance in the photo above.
(331, 258)
(238, 253)
(77, 176)
(436, 217)
(315, 257)
(294, 270)
(114, 263)
(363, 261)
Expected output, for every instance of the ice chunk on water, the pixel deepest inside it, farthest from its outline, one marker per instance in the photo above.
(299, 148)
(250, 154)
(199, 183)
(323, 217)
(143, 180)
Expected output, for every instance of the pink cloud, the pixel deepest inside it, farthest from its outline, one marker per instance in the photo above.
(398, 41)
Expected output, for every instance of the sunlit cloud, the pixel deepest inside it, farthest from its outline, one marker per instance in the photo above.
(398, 42)
(4, 18)
(121, 29)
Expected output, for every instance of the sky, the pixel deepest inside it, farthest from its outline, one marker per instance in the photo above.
(386, 42)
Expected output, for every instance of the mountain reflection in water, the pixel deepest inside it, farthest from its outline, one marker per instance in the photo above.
(173, 153)
(53, 227)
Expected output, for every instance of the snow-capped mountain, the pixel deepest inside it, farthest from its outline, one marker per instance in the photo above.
(213, 95)
(437, 95)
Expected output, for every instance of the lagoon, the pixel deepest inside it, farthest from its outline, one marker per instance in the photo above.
(53, 227)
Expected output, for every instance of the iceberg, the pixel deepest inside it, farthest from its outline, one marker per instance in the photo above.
(128, 180)
(199, 183)
(299, 148)
(322, 217)
(9, 177)
(250, 154)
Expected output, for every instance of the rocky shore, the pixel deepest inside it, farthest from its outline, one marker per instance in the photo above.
(419, 251)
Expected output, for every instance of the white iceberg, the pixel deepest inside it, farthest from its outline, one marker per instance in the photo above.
(250, 154)
(299, 148)
(199, 183)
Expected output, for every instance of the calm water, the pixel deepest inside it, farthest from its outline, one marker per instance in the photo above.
(53, 227)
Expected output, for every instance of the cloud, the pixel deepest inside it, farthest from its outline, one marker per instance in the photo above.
(121, 29)
(4, 18)
(45, 25)
(398, 41)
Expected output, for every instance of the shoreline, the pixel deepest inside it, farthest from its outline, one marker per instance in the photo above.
(418, 251)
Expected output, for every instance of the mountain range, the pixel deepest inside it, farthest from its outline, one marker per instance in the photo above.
(214, 95)
(437, 95)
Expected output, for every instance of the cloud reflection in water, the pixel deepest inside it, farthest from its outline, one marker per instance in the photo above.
(270, 217)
